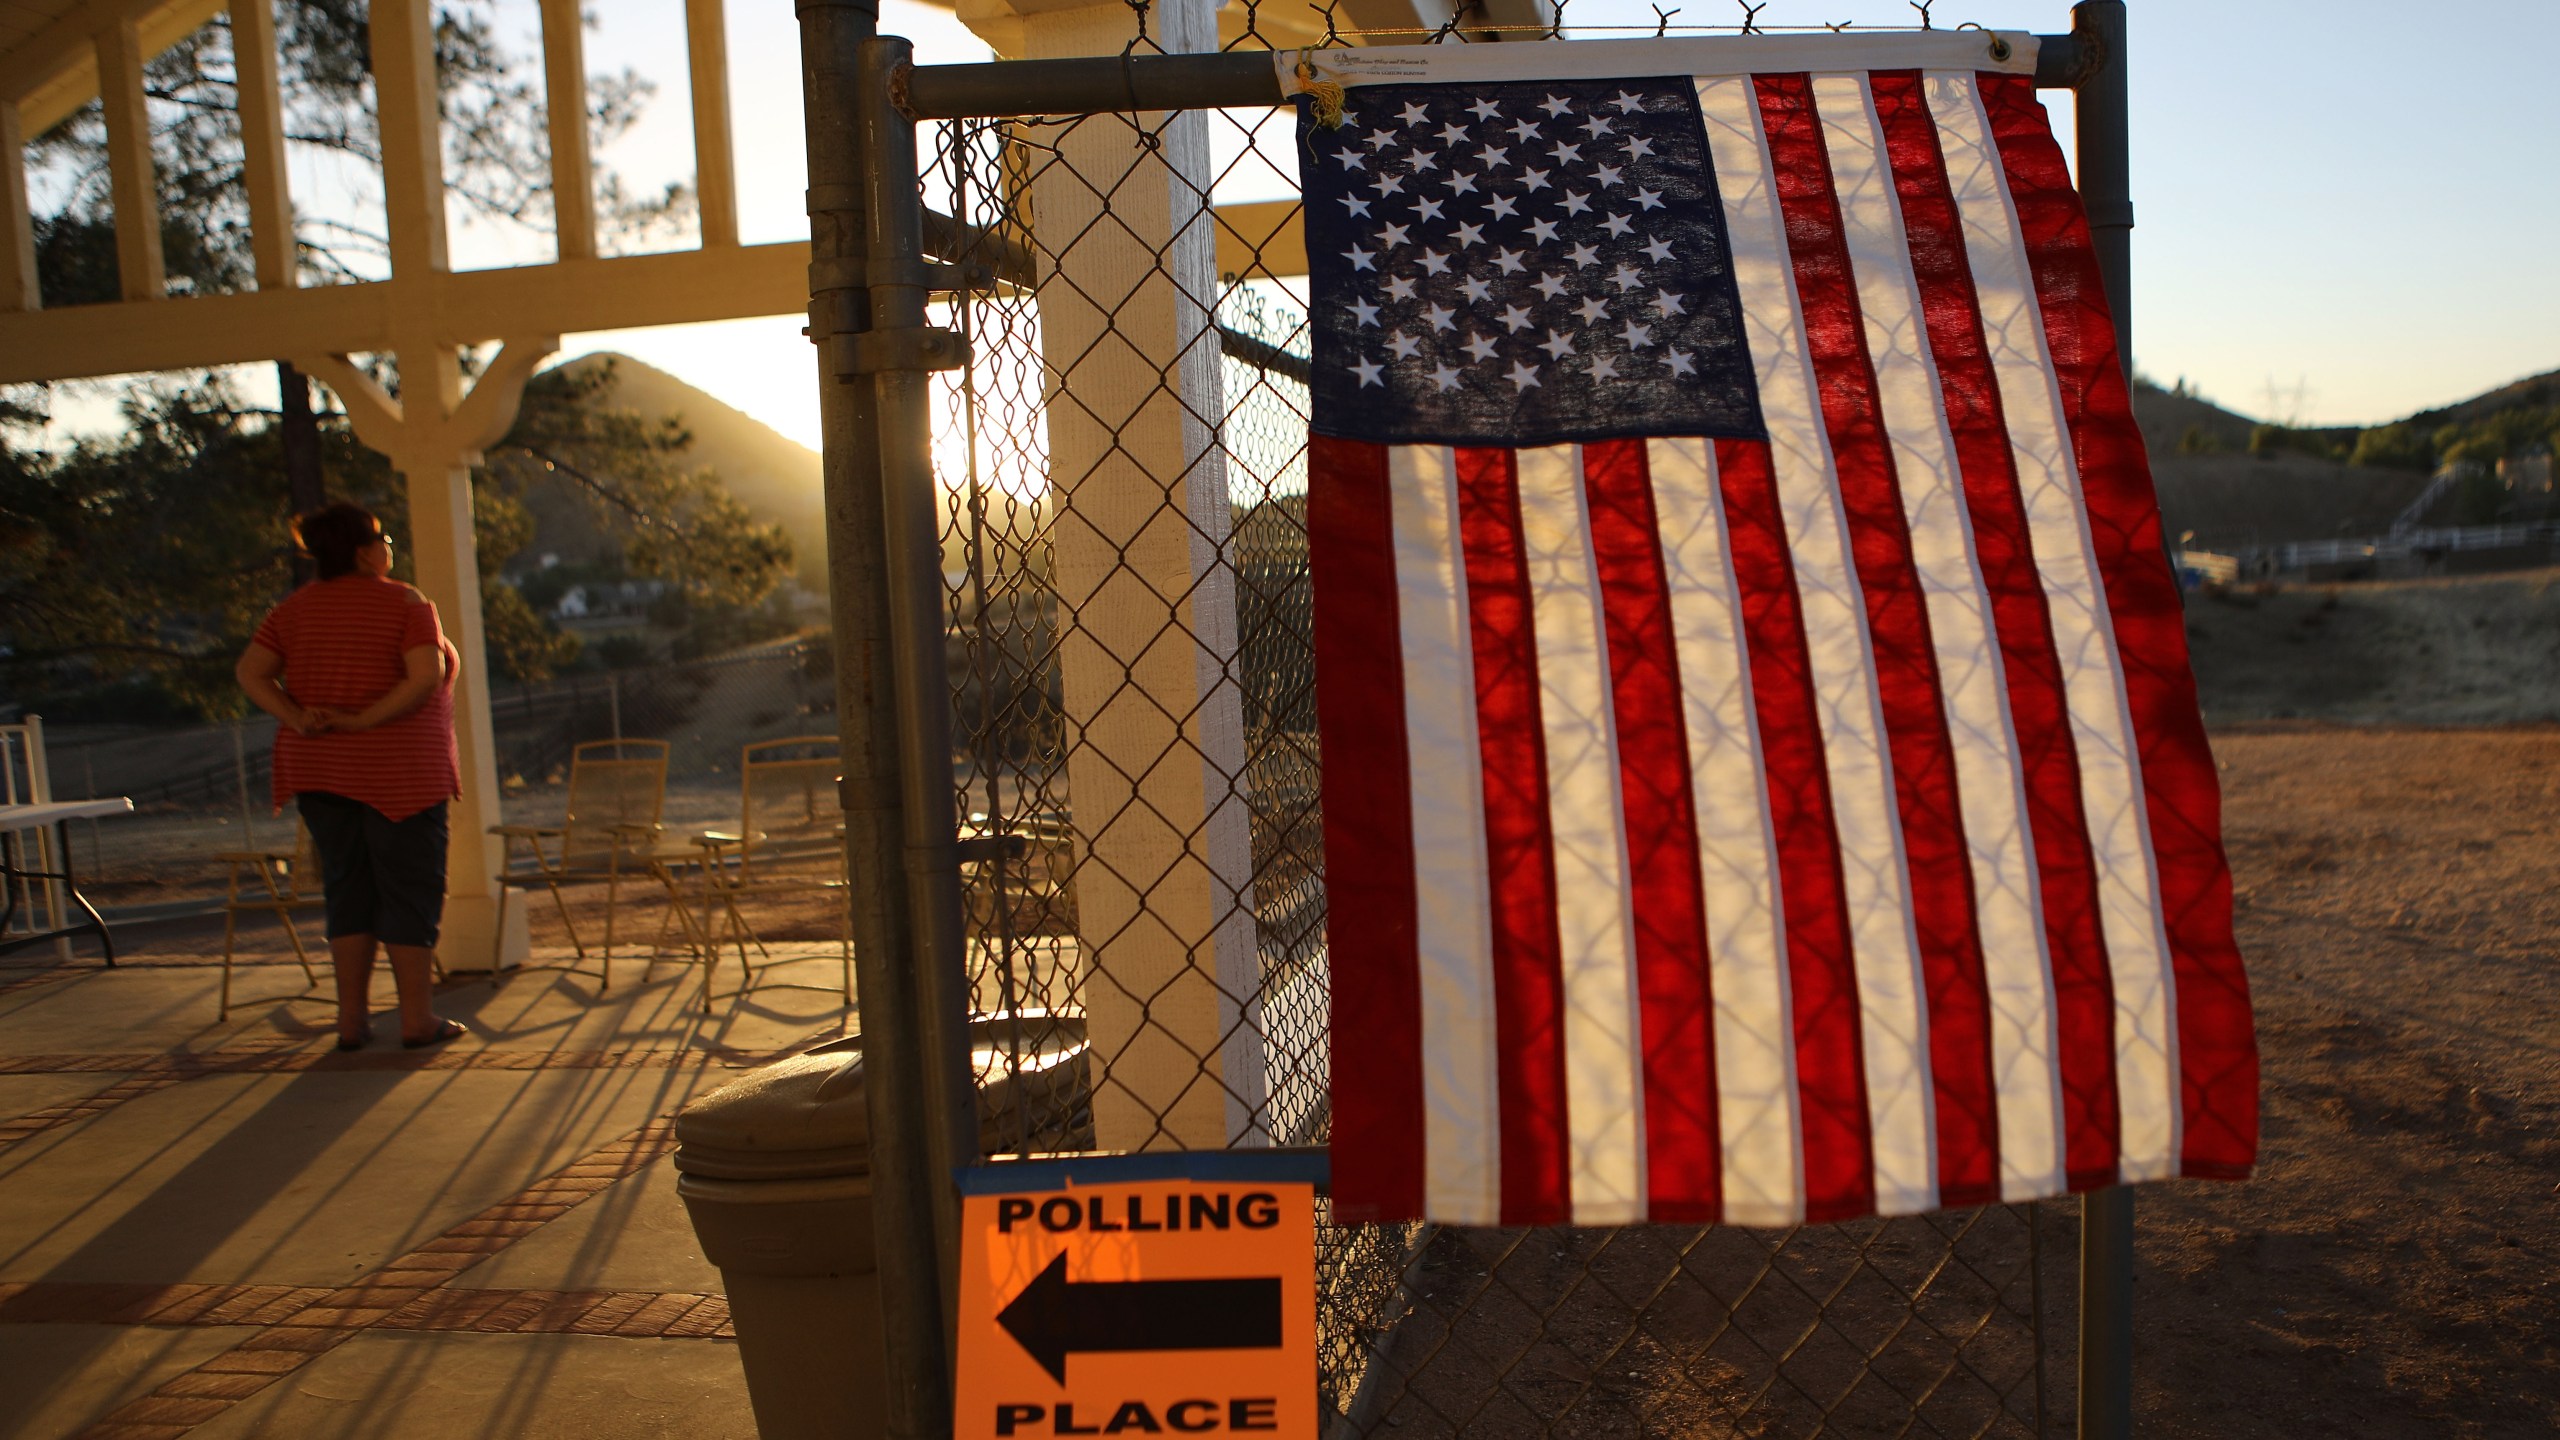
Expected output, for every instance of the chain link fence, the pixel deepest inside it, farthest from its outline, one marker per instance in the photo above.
(1129, 621)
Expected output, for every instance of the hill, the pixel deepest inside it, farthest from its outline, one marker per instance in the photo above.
(777, 479)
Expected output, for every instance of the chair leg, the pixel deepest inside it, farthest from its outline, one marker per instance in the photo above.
(562, 905)
(230, 925)
(612, 906)
(301, 955)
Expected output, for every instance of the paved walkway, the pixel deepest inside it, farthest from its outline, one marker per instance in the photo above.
(228, 1230)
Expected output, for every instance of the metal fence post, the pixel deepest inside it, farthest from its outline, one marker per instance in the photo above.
(904, 1184)
(2106, 1216)
(904, 352)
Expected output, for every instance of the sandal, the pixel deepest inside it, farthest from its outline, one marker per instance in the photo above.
(445, 1030)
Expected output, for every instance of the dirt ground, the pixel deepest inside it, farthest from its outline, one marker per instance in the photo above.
(2390, 1273)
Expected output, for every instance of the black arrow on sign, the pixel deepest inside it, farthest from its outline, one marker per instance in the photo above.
(1055, 1317)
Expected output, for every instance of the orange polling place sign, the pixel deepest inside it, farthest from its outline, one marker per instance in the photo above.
(1176, 1307)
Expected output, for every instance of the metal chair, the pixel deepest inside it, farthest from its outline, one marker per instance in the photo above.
(288, 880)
(610, 834)
(789, 841)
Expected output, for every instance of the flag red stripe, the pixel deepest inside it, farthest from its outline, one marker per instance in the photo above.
(1683, 1170)
(1822, 981)
(1378, 1121)
(1906, 661)
(2066, 875)
(2217, 1049)
(1528, 965)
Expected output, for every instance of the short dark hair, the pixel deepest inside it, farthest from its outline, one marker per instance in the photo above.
(332, 534)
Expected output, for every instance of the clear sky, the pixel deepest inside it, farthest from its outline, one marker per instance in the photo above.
(2347, 211)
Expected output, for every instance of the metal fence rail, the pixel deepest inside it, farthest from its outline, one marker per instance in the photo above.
(1074, 428)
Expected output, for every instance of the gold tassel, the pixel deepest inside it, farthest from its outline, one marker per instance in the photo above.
(1326, 94)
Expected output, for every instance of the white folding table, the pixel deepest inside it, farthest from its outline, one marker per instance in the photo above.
(56, 816)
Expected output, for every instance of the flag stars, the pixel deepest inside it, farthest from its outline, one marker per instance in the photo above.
(1599, 125)
(1533, 180)
(1485, 110)
(1453, 134)
(1628, 102)
(1481, 346)
(1593, 309)
(1638, 336)
(1552, 286)
(1503, 207)
(1352, 159)
(1638, 148)
(1404, 346)
(1607, 175)
(1682, 362)
(1355, 204)
(1422, 160)
(1413, 114)
(1583, 256)
(1617, 225)
(1524, 130)
(1667, 304)
(1626, 278)
(1434, 262)
(1509, 262)
(1604, 367)
(1441, 317)
(1460, 184)
(1557, 345)
(1493, 157)
(1575, 202)
(1429, 208)
(1515, 318)
(1394, 234)
(1446, 377)
(1565, 154)
(1390, 185)
(1657, 250)
(1361, 259)
(1470, 234)
(1557, 105)
(1542, 231)
(1648, 199)
(1477, 290)
(1369, 371)
(1400, 287)
(1364, 313)
(1523, 377)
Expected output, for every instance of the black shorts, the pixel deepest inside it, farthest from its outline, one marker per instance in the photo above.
(381, 877)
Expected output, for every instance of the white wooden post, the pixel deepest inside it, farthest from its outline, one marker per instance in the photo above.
(1156, 768)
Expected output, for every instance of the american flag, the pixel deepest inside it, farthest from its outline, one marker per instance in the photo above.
(1763, 780)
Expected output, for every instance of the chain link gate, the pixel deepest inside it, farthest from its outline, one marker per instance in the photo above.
(1102, 614)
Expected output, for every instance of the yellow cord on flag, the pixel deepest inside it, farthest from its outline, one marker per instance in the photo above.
(1327, 95)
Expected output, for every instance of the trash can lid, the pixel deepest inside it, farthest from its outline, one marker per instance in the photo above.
(797, 1118)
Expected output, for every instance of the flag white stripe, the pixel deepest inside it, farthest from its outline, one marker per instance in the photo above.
(1763, 1159)
(1586, 824)
(1991, 787)
(1462, 1140)
(2048, 482)
(1892, 1029)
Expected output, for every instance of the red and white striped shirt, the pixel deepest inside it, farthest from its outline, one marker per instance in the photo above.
(344, 643)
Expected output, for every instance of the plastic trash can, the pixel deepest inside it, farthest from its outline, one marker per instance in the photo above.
(774, 1169)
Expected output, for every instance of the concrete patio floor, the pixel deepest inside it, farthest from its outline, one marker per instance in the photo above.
(231, 1229)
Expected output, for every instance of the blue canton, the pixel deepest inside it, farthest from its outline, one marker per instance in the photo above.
(1522, 264)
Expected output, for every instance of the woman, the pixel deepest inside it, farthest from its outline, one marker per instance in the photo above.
(360, 680)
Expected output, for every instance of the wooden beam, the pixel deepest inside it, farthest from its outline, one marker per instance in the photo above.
(56, 72)
(715, 164)
(140, 271)
(253, 43)
(681, 287)
(18, 288)
(564, 80)
(404, 84)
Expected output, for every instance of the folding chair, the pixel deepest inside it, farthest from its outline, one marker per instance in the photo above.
(288, 880)
(610, 834)
(789, 841)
